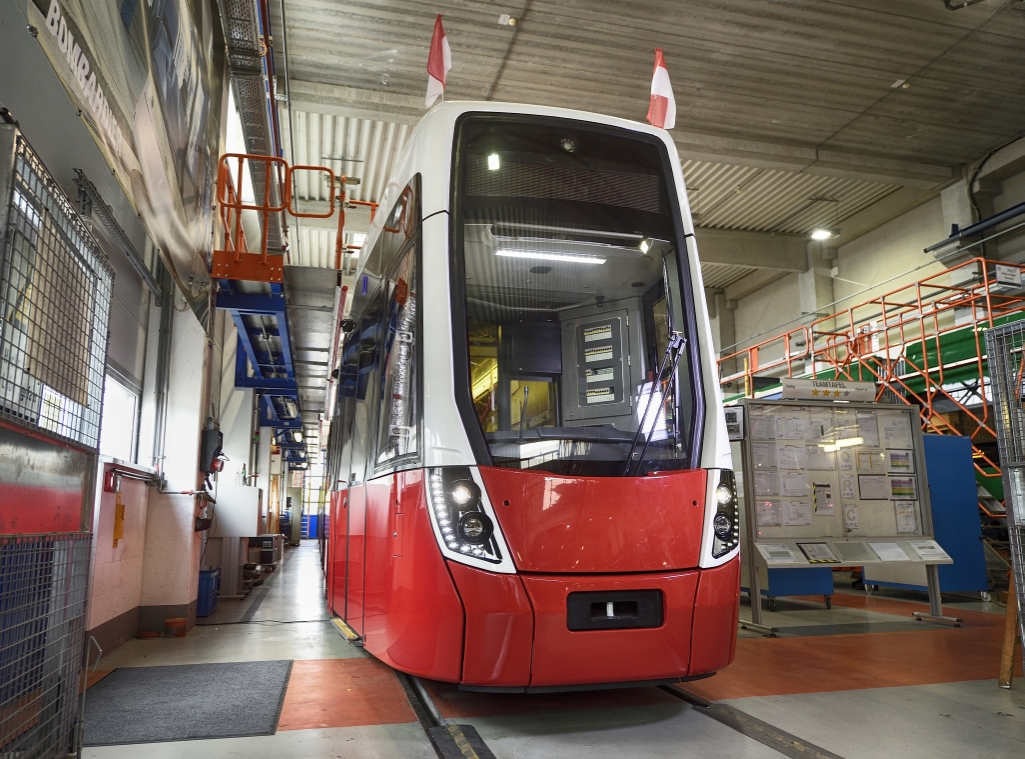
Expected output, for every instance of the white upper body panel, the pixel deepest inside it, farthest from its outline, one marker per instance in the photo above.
(429, 154)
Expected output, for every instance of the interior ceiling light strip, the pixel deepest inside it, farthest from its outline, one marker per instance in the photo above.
(508, 253)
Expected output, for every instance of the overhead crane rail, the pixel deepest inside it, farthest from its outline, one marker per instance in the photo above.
(922, 344)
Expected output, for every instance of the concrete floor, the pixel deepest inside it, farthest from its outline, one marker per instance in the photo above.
(861, 680)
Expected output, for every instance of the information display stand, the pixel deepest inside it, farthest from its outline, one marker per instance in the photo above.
(833, 483)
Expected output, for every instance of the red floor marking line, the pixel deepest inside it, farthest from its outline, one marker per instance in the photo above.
(343, 693)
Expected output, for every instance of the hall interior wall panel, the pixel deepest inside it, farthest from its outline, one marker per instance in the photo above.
(237, 511)
(129, 312)
(116, 583)
(716, 611)
(416, 631)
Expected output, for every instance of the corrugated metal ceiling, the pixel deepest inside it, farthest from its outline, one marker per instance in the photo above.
(722, 196)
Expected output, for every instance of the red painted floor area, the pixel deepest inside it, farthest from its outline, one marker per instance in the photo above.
(350, 692)
(343, 693)
(785, 666)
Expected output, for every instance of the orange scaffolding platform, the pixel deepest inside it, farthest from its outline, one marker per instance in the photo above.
(921, 343)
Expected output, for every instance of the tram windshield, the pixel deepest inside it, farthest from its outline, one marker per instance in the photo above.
(576, 304)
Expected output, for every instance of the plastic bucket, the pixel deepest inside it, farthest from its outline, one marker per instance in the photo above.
(175, 627)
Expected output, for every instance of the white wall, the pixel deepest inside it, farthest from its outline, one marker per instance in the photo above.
(893, 250)
(171, 568)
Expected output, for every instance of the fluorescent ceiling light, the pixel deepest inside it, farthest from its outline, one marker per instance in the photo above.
(845, 443)
(821, 234)
(508, 253)
(494, 162)
(645, 245)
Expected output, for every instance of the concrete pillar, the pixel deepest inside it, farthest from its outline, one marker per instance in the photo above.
(727, 318)
(815, 285)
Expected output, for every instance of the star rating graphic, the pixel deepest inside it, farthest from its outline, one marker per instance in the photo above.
(827, 393)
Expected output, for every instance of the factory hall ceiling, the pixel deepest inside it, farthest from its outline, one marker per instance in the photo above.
(790, 113)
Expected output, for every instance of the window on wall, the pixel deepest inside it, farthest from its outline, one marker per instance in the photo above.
(120, 417)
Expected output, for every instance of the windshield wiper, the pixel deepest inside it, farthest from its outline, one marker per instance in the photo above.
(673, 351)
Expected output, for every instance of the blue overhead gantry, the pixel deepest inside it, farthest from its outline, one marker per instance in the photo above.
(256, 305)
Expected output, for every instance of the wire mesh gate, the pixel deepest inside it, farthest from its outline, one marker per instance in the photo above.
(55, 290)
(43, 583)
(1006, 348)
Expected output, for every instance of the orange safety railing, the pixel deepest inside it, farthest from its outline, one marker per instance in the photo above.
(903, 340)
(235, 260)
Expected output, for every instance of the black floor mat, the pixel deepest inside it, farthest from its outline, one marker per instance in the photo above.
(186, 702)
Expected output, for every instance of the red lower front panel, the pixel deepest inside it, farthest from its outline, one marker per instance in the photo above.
(564, 657)
(716, 610)
(446, 621)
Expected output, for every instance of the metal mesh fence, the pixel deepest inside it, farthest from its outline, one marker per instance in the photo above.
(1005, 347)
(55, 290)
(43, 583)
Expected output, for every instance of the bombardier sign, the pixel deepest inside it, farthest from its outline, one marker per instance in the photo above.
(89, 89)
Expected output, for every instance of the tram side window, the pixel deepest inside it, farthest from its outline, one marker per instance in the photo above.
(365, 357)
(378, 374)
(397, 429)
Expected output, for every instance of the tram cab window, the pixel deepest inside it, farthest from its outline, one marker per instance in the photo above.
(570, 254)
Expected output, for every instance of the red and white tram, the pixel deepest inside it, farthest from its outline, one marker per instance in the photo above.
(532, 484)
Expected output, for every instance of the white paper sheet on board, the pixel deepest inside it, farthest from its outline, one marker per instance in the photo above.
(906, 521)
(791, 427)
(889, 552)
(868, 429)
(928, 550)
(823, 499)
(769, 513)
(793, 483)
(820, 426)
(796, 513)
(791, 456)
(850, 516)
(763, 427)
(896, 430)
(900, 461)
(777, 554)
(873, 487)
(847, 489)
(763, 455)
(766, 483)
(818, 459)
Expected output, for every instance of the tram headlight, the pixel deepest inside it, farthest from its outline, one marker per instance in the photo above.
(722, 526)
(726, 521)
(464, 492)
(475, 528)
(465, 530)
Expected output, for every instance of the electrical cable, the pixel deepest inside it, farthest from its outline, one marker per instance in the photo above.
(975, 174)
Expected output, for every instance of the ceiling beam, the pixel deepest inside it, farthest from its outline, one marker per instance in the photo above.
(353, 102)
(357, 218)
(759, 250)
